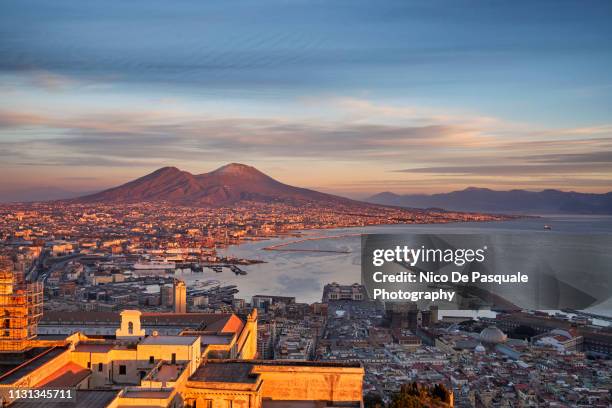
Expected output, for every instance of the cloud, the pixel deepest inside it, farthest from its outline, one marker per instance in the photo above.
(159, 135)
(14, 119)
(51, 81)
(516, 169)
(584, 158)
(440, 148)
(363, 109)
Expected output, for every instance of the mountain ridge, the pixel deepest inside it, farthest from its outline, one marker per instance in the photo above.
(487, 200)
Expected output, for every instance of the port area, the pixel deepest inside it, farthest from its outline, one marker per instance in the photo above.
(217, 267)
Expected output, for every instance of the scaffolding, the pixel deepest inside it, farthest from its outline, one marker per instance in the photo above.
(21, 307)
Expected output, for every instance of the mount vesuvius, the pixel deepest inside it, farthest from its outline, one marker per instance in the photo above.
(226, 185)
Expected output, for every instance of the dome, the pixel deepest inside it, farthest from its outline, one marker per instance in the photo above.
(479, 348)
(493, 335)
(563, 333)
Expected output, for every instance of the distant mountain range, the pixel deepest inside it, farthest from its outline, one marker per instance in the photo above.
(513, 201)
(226, 185)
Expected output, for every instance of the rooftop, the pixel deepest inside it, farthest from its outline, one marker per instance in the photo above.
(68, 376)
(237, 372)
(94, 347)
(147, 394)
(31, 365)
(212, 322)
(169, 340)
(168, 372)
(240, 371)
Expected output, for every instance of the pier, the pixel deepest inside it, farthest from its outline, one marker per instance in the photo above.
(281, 246)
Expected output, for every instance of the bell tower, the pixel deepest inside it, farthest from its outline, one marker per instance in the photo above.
(130, 326)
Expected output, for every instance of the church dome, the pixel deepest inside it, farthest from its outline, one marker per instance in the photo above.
(492, 335)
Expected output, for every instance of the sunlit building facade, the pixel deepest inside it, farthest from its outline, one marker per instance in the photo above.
(213, 362)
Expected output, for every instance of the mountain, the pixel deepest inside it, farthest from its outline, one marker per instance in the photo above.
(226, 185)
(485, 200)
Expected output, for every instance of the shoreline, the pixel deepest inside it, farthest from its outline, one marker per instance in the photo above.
(279, 247)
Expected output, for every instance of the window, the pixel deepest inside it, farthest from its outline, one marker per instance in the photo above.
(130, 328)
(151, 359)
(122, 370)
(100, 366)
(173, 358)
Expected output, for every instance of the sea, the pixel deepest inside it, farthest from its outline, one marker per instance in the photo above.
(334, 256)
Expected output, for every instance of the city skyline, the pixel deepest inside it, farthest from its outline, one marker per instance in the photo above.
(402, 97)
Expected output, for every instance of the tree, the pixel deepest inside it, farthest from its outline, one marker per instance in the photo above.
(523, 332)
(440, 392)
(414, 396)
(373, 400)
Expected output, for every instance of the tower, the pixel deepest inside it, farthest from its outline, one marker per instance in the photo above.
(247, 342)
(21, 307)
(167, 293)
(180, 297)
(434, 314)
(130, 325)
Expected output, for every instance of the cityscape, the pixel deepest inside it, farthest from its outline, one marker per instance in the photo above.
(85, 280)
(305, 204)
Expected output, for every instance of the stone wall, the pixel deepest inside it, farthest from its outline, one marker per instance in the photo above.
(311, 383)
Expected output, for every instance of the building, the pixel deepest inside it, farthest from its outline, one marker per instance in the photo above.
(179, 296)
(596, 341)
(58, 324)
(406, 339)
(194, 369)
(21, 307)
(167, 295)
(408, 316)
(266, 339)
(335, 292)
(263, 302)
(562, 340)
(213, 363)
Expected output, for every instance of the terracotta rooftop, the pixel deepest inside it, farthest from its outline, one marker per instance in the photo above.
(68, 376)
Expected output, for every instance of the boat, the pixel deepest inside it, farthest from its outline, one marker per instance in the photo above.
(547, 227)
(237, 270)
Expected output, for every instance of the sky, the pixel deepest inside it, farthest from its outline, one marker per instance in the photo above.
(348, 97)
